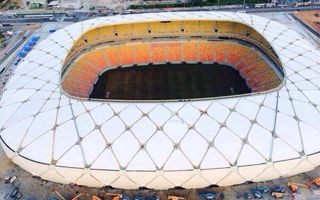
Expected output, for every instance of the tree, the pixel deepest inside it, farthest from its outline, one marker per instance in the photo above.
(195, 2)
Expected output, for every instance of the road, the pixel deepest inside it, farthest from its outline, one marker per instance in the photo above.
(80, 16)
(37, 188)
(18, 43)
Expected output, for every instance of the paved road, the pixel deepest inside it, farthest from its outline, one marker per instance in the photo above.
(14, 48)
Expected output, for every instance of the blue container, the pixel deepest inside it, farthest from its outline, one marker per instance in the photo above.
(31, 43)
(52, 30)
(22, 54)
(27, 48)
(34, 38)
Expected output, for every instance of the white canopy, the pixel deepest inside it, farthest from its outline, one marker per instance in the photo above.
(162, 145)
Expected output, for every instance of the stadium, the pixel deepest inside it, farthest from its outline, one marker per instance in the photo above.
(164, 100)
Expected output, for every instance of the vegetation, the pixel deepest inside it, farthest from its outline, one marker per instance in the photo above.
(1, 36)
(233, 2)
(35, 5)
(195, 3)
(9, 5)
(3, 3)
(2, 39)
(164, 5)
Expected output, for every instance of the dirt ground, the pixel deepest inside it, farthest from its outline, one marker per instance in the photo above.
(312, 18)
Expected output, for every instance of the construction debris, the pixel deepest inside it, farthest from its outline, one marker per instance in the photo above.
(278, 195)
(315, 182)
(258, 191)
(13, 195)
(279, 189)
(9, 179)
(207, 195)
(295, 186)
(176, 198)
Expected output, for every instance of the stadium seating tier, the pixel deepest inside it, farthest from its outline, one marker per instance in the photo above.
(87, 67)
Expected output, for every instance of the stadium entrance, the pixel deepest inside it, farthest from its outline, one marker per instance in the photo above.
(169, 82)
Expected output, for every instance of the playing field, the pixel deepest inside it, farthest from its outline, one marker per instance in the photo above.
(172, 81)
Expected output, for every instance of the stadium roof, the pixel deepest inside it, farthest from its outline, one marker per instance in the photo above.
(162, 145)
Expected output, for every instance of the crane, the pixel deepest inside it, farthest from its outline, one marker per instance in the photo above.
(58, 193)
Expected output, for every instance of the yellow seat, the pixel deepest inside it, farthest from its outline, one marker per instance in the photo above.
(191, 27)
(206, 27)
(123, 31)
(92, 36)
(106, 33)
(174, 28)
(140, 30)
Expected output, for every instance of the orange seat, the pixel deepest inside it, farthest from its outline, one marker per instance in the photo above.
(247, 61)
(174, 52)
(96, 57)
(262, 79)
(158, 52)
(82, 75)
(266, 87)
(190, 51)
(206, 51)
(126, 56)
(219, 49)
(87, 67)
(235, 52)
(142, 53)
(112, 54)
(82, 65)
(254, 69)
(76, 87)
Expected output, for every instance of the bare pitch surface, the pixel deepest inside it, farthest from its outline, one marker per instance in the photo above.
(172, 81)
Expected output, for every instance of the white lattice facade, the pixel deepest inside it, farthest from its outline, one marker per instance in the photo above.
(163, 144)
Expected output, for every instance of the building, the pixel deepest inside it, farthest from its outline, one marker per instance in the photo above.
(50, 127)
